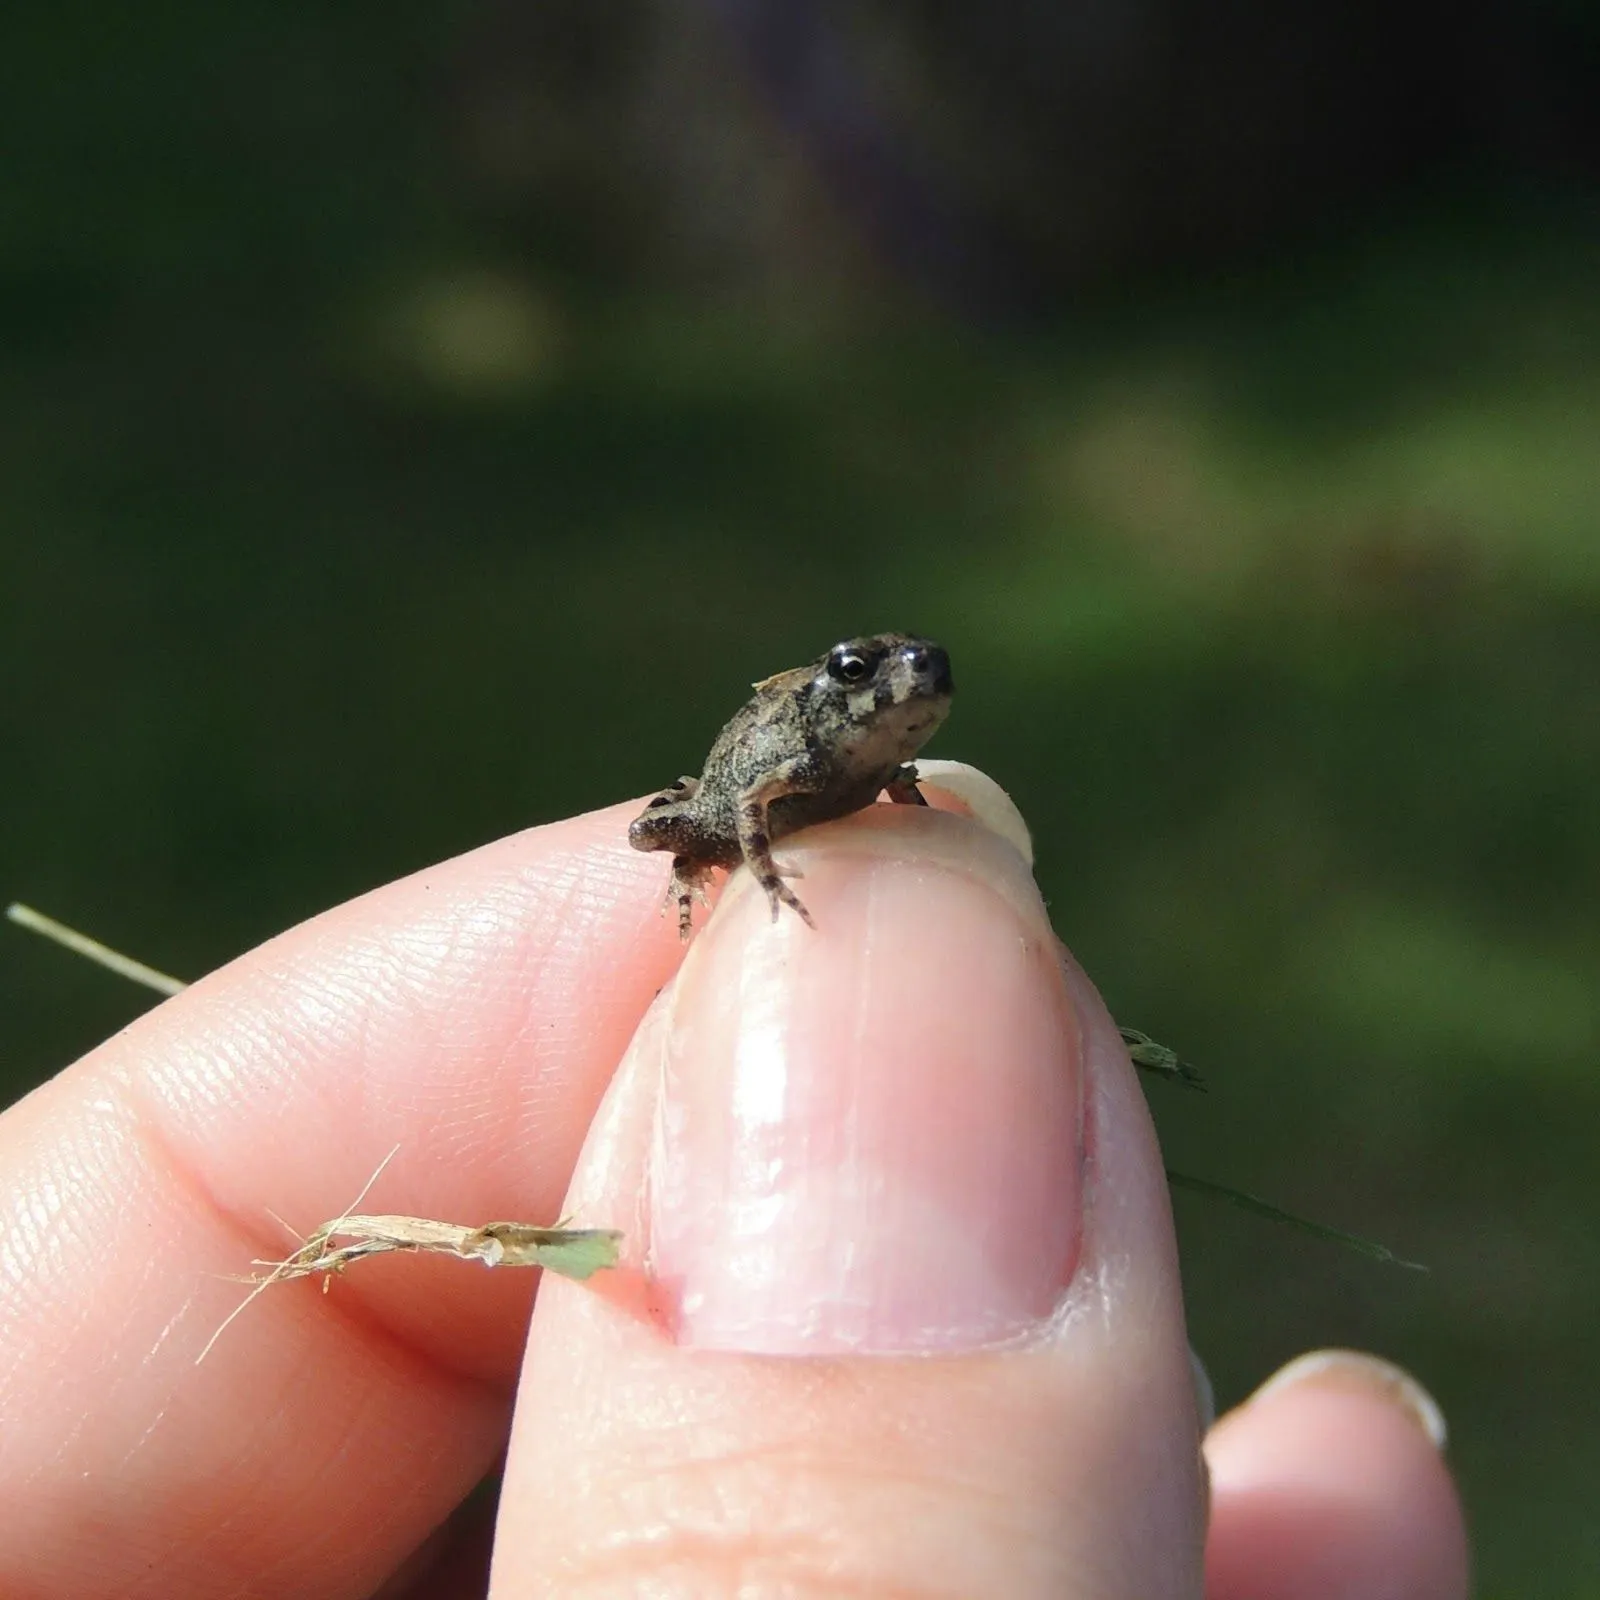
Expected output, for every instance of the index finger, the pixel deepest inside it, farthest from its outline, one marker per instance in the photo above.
(470, 1015)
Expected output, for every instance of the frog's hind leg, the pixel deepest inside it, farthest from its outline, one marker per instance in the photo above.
(687, 884)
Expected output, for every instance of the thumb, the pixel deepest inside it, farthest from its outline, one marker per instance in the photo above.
(903, 1313)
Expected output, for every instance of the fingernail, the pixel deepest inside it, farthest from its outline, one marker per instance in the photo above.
(1205, 1395)
(1355, 1370)
(868, 1132)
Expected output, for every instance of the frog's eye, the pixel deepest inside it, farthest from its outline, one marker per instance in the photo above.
(847, 665)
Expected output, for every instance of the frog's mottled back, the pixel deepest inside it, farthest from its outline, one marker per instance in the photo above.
(814, 743)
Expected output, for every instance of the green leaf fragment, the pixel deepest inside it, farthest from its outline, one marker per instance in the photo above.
(576, 1253)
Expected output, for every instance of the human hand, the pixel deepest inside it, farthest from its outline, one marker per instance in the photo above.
(912, 1325)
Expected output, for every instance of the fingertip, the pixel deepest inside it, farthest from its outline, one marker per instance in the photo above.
(885, 1328)
(1329, 1483)
(1356, 1371)
(470, 1015)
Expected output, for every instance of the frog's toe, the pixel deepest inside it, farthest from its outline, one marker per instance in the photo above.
(688, 884)
(779, 895)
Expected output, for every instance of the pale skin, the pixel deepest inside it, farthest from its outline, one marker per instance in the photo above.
(475, 1015)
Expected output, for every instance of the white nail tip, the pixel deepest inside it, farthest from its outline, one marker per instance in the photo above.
(987, 801)
(1357, 1368)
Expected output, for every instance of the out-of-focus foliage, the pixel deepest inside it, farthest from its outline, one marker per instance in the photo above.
(376, 478)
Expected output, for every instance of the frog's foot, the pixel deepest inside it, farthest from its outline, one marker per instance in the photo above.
(779, 894)
(902, 787)
(687, 884)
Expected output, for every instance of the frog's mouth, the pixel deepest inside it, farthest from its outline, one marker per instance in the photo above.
(923, 715)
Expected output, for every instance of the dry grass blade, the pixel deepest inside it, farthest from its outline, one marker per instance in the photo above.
(101, 954)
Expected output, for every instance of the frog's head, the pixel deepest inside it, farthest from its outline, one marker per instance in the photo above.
(887, 692)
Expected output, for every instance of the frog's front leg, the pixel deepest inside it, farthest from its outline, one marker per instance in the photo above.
(755, 834)
(902, 787)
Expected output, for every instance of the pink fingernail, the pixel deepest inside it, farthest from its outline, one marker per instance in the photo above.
(869, 1133)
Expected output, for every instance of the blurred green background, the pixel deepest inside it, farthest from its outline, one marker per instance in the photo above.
(423, 421)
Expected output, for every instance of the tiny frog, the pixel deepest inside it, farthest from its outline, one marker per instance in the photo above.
(814, 743)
